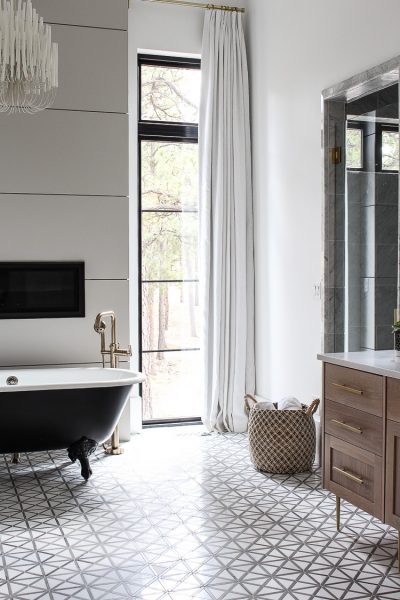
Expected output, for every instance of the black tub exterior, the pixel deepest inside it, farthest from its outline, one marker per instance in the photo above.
(52, 419)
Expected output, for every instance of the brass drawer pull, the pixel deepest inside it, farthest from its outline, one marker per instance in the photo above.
(346, 426)
(348, 389)
(349, 475)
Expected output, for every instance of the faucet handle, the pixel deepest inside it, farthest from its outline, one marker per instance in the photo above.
(121, 352)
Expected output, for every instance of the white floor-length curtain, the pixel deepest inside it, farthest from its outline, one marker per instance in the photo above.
(226, 218)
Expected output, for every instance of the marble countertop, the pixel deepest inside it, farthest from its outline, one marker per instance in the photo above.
(380, 362)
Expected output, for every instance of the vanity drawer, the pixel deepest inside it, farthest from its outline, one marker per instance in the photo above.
(354, 474)
(360, 390)
(354, 426)
(393, 399)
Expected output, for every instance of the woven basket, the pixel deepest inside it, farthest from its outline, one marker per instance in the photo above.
(281, 441)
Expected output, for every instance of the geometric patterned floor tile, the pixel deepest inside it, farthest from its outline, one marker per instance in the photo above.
(183, 515)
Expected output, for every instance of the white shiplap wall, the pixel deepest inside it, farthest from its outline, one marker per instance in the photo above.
(64, 182)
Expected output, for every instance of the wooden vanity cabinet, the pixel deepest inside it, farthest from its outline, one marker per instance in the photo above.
(392, 496)
(392, 488)
(354, 437)
(361, 445)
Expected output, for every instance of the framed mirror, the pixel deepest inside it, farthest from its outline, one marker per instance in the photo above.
(361, 211)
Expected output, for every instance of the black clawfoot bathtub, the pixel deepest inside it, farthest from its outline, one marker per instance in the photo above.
(51, 409)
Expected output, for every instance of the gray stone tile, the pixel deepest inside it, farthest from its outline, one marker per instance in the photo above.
(335, 218)
(386, 260)
(334, 128)
(329, 311)
(384, 337)
(329, 342)
(385, 300)
(339, 342)
(339, 310)
(386, 225)
(360, 188)
(354, 299)
(329, 265)
(387, 188)
(335, 264)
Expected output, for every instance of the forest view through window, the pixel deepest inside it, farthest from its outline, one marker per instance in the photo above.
(169, 224)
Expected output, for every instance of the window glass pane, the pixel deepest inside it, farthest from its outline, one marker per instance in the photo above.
(390, 150)
(172, 386)
(354, 150)
(170, 316)
(169, 245)
(170, 94)
(169, 175)
(169, 224)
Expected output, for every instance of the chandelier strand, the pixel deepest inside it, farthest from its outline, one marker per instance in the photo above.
(28, 59)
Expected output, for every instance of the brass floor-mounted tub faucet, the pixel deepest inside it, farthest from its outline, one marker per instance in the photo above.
(114, 352)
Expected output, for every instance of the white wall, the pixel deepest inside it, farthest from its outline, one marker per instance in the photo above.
(64, 182)
(296, 49)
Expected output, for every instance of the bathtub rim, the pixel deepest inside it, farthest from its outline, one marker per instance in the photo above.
(129, 378)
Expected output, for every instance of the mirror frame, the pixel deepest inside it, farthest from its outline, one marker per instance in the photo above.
(334, 101)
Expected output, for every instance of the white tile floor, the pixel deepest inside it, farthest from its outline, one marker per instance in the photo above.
(182, 515)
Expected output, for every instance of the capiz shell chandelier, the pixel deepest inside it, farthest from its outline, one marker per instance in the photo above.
(28, 59)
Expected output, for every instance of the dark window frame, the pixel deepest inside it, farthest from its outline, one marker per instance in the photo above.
(380, 128)
(160, 131)
(361, 126)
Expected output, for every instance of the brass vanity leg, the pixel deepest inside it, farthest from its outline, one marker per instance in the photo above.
(338, 513)
(16, 458)
(115, 448)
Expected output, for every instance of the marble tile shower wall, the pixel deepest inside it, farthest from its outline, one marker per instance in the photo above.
(64, 181)
(373, 208)
(334, 253)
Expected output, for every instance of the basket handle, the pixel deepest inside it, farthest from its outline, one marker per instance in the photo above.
(247, 399)
(313, 407)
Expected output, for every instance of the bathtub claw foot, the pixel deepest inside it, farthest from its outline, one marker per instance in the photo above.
(16, 458)
(81, 451)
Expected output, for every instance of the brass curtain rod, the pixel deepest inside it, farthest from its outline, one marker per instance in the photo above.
(199, 5)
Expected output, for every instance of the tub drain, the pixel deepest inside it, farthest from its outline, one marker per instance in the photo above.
(12, 380)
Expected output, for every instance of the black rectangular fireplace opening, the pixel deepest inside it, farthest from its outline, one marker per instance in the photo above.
(33, 290)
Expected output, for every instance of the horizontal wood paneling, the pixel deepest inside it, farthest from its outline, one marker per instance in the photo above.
(62, 152)
(67, 228)
(89, 13)
(93, 66)
(66, 341)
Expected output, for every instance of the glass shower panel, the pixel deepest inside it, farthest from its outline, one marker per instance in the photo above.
(370, 220)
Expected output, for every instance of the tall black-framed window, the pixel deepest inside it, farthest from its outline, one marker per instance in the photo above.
(168, 104)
